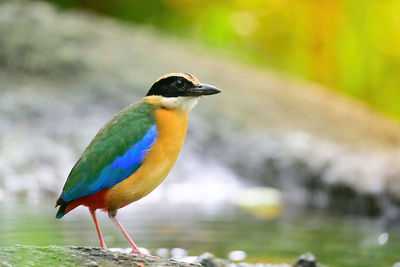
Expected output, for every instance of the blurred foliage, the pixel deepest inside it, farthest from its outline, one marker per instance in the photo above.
(349, 45)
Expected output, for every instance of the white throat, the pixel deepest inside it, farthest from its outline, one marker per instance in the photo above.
(181, 102)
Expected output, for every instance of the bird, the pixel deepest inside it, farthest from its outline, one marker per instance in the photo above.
(134, 151)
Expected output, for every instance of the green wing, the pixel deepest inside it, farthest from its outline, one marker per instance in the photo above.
(114, 153)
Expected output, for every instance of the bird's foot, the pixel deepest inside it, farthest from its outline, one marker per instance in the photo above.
(138, 252)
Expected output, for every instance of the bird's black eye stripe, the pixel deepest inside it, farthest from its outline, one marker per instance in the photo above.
(172, 86)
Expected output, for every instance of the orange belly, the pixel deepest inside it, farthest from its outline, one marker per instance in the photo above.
(171, 125)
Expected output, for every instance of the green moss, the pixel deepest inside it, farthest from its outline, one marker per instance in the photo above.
(77, 256)
(31, 256)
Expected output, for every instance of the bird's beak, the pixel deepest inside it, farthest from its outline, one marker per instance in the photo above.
(203, 89)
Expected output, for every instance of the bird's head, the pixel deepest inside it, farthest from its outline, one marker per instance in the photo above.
(180, 90)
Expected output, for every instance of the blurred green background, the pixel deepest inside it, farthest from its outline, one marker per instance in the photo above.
(351, 46)
(287, 161)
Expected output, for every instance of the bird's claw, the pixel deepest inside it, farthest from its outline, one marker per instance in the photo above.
(137, 252)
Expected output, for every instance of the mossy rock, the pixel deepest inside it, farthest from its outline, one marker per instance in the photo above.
(77, 256)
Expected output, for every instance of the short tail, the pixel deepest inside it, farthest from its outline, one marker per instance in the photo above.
(63, 207)
(61, 212)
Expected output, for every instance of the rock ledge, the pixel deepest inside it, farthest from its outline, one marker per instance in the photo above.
(20, 255)
(23, 255)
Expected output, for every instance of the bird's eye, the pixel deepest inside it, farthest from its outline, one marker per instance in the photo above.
(179, 84)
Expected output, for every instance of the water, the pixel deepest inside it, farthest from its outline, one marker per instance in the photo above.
(335, 241)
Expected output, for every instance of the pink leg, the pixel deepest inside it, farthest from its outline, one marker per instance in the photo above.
(101, 241)
(135, 249)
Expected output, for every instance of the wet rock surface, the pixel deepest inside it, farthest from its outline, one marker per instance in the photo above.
(306, 260)
(89, 256)
(78, 256)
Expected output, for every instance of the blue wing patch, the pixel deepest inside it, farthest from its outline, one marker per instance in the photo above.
(120, 169)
